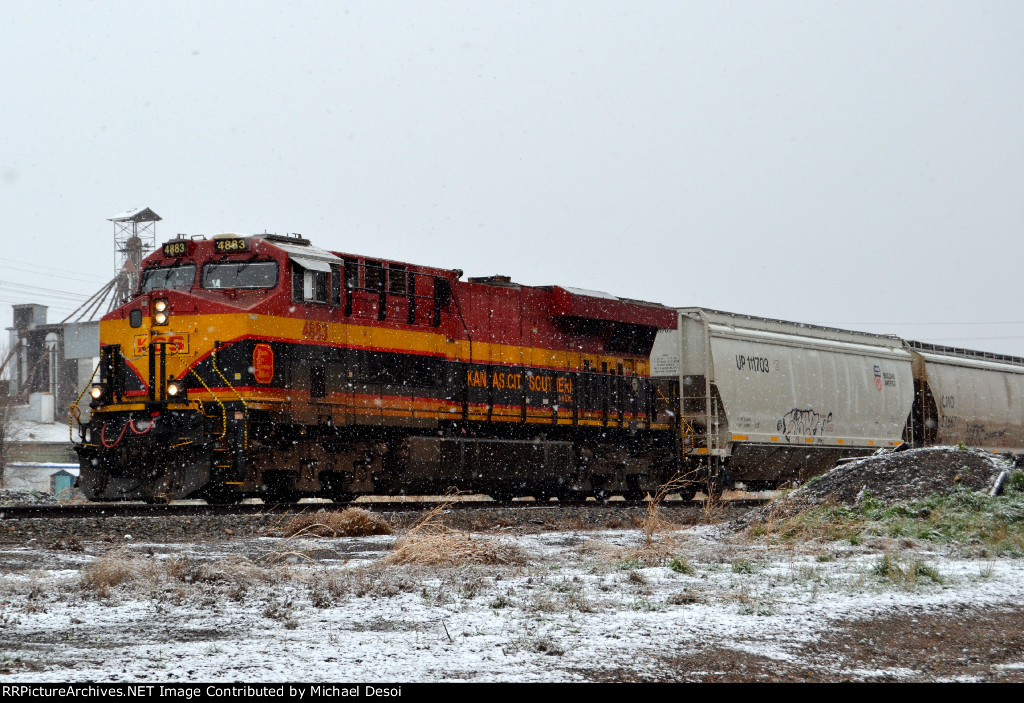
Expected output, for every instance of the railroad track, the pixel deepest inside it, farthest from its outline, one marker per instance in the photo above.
(94, 510)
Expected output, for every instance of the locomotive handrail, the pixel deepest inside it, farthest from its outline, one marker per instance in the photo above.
(685, 428)
(73, 412)
(223, 410)
(469, 337)
(245, 407)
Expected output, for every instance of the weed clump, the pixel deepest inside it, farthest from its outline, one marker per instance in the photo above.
(889, 568)
(681, 566)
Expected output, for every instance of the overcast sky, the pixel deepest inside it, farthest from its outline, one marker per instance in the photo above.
(859, 164)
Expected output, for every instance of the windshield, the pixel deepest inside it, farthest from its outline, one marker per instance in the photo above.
(167, 277)
(240, 274)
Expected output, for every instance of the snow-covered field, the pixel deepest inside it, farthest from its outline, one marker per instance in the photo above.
(583, 606)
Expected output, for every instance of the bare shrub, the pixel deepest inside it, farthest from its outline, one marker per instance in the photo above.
(282, 611)
(654, 521)
(323, 590)
(713, 510)
(350, 522)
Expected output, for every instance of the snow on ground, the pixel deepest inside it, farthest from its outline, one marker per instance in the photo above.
(583, 607)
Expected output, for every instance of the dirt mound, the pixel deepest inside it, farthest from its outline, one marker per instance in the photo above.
(908, 475)
(892, 477)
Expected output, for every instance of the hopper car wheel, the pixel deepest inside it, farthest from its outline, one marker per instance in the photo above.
(571, 497)
(688, 493)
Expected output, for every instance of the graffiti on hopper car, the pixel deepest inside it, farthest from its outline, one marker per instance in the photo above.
(804, 423)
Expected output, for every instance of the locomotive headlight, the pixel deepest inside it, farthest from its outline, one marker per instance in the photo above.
(161, 313)
(176, 390)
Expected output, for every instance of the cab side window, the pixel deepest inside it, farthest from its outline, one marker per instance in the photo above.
(308, 285)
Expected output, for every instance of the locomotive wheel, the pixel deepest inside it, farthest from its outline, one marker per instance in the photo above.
(278, 487)
(222, 497)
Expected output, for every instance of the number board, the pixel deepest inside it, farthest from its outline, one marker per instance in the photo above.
(176, 248)
(230, 245)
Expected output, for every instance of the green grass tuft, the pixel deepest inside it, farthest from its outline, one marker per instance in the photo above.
(681, 566)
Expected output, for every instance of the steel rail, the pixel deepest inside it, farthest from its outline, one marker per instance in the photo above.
(103, 510)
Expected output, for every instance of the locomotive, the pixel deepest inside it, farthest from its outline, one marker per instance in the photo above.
(264, 366)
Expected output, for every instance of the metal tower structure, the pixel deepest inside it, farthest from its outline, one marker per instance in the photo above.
(134, 238)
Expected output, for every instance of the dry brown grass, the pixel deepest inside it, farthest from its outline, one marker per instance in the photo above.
(350, 522)
(110, 570)
(120, 567)
(432, 543)
(455, 549)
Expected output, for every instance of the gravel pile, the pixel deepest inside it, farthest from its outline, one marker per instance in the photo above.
(12, 497)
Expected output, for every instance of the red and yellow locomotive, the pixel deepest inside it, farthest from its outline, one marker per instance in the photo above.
(262, 366)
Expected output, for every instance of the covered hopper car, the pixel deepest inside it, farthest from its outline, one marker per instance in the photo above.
(968, 397)
(762, 401)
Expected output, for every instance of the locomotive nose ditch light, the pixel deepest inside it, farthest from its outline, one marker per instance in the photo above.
(176, 390)
(97, 392)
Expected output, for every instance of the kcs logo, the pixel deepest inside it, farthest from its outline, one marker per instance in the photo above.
(175, 343)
